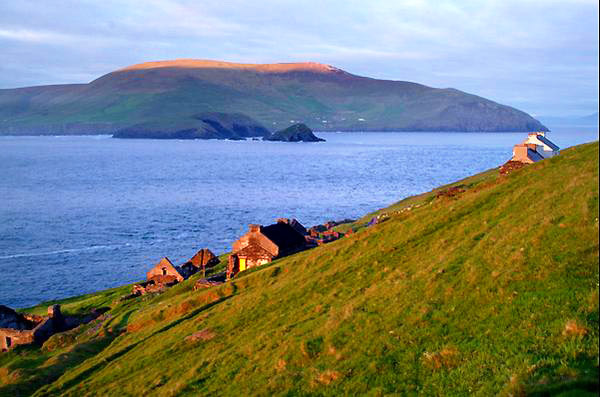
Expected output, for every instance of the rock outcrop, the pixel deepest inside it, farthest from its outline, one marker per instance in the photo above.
(213, 125)
(294, 133)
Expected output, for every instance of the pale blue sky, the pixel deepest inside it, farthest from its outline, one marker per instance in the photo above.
(539, 56)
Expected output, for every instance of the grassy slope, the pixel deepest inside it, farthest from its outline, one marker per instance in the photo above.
(457, 295)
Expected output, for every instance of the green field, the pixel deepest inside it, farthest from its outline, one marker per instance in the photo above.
(492, 291)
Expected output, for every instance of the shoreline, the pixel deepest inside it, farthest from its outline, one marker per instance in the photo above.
(133, 267)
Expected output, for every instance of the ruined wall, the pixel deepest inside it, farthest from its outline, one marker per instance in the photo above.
(233, 266)
(10, 338)
(42, 329)
(188, 269)
(155, 284)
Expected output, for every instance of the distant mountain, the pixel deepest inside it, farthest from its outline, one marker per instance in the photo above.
(323, 97)
(589, 120)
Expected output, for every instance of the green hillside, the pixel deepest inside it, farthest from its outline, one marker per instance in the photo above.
(276, 95)
(490, 291)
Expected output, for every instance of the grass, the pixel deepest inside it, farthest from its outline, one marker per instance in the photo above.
(493, 291)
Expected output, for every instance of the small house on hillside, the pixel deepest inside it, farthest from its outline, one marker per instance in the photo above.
(166, 272)
(204, 258)
(535, 148)
(263, 244)
(544, 146)
(200, 261)
(526, 153)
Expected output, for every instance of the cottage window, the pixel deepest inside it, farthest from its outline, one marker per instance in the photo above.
(164, 270)
(8, 342)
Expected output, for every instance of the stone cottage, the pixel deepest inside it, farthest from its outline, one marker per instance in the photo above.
(202, 260)
(262, 244)
(165, 274)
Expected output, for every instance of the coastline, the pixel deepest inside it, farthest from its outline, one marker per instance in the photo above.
(432, 264)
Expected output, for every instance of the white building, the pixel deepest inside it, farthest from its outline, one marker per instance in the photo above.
(544, 146)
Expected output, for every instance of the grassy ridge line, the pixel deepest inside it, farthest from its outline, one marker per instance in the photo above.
(323, 100)
(492, 292)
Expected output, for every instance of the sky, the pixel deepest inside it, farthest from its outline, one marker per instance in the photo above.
(540, 56)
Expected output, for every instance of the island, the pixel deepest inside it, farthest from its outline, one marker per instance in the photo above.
(160, 99)
(295, 133)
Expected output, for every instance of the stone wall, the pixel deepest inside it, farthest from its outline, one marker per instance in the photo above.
(41, 328)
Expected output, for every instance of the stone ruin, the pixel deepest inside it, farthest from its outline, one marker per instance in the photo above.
(323, 234)
(511, 166)
(154, 285)
(24, 329)
(208, 282)
(164, 274)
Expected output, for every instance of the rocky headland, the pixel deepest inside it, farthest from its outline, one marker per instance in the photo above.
(214, 125)
(294, 133)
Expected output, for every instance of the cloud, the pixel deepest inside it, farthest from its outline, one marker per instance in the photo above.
(34, 36)
(496, 48)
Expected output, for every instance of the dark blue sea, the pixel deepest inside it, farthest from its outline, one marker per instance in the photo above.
(81, 214)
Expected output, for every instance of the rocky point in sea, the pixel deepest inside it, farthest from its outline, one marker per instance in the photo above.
(295, 133)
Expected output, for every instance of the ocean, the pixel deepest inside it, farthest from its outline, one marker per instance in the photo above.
(85, 213)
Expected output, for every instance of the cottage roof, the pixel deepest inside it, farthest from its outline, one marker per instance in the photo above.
(284, 236)
(254, 250)
(295, 224)
(547, 142)
(533, 155)
(202, 257)
(166, 263)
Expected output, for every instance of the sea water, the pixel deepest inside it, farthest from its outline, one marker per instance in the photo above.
(81, 214)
